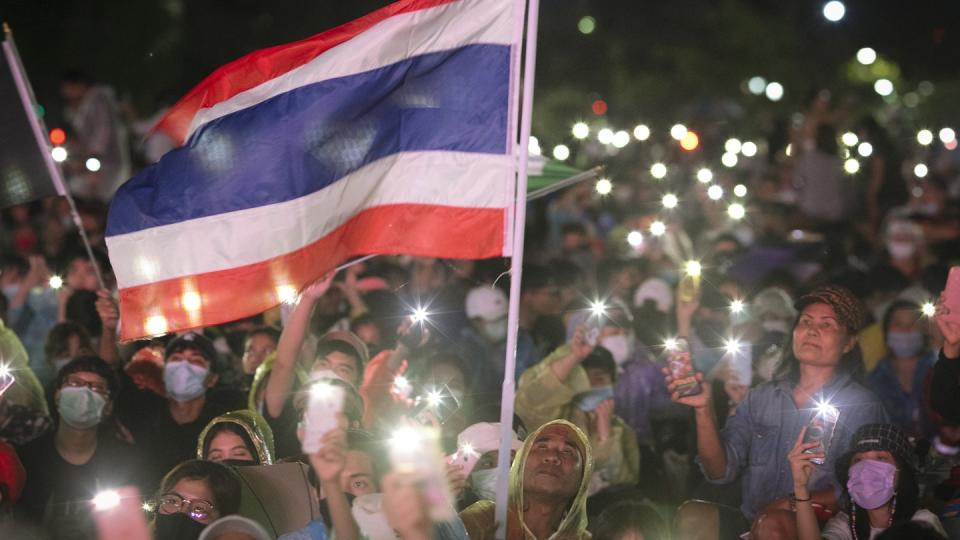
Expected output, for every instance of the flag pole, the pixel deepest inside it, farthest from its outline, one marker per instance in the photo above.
(39, 130)
(516, 266)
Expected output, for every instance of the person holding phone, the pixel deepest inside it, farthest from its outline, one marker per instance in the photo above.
(879, 478)
(576, 383)
(821, 366)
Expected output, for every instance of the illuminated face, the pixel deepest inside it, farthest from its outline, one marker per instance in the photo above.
(195, 500)
(819, 338)
(357, 477)
(228, 445)
(257, 349)
(344, 365)
(554, 465)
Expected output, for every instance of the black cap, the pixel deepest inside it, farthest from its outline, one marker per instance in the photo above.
(198, 342)
(878, 437)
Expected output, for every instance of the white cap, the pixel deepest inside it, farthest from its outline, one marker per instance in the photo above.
(655, 289)
(488, 303)
(485, 437)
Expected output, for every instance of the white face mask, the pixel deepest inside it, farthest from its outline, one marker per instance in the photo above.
(901, 250)
(620, 346)
(496, 331)
(184, 381)
(484, 484)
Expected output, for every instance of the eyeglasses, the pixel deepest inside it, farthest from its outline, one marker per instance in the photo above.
(98, 387)
(198, 509)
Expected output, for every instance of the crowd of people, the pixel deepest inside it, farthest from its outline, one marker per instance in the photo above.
(793, 385)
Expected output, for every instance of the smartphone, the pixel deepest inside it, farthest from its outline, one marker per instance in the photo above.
(592, 336)
(420, 454)
(119, 515)
(465, 456)
(681, 369)
(320, 415)
(6, 379)
(820, 429)
(689, 288)
(439, 403)
(950, 310)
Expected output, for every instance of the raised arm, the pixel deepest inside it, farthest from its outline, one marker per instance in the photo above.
(291, 339)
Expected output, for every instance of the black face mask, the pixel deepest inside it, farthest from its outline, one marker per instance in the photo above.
(239, 462)
(177, 526)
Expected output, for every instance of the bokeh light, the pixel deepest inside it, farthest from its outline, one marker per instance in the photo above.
(883, 87)
(866, 56)
(561, 152)
(774, 91)
(658, 170)
(581, 130)
(834, 11)
(670, 201)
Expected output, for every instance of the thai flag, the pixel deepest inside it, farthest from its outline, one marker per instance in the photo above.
(393, 133)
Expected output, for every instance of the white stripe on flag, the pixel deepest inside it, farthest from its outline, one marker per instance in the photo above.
(465, 22)
(223, 241)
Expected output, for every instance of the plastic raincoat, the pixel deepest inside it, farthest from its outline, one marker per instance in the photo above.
(254, 425)
(542, 397)
(479, 518)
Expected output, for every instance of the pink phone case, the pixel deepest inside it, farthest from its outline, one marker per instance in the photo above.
(950, 310)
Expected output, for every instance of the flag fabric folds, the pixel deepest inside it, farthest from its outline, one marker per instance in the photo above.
(390, 134)
(27, 172)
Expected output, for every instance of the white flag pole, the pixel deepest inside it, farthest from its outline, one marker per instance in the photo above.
(516, 265)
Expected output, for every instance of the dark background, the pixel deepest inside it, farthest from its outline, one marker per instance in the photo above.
(656, 62)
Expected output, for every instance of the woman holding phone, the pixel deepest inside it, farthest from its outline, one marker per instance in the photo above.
(819, 372)
(879, 480)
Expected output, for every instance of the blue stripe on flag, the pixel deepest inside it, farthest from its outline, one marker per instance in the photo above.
(299, 142)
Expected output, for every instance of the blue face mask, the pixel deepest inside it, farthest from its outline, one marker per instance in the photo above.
(81, 408)
(905, 344)
(589, 400)
(184, 381)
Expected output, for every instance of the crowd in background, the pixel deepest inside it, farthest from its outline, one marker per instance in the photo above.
(816, 295)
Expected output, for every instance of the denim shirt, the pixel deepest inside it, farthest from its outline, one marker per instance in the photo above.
(766, 426)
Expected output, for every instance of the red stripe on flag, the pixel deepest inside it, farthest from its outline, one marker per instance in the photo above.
(228, 295)
(260, 66)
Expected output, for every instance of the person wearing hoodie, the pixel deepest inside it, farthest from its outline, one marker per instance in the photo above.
(548, 489)
(576, 383)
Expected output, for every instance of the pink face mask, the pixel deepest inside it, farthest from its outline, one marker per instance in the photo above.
(871, 483)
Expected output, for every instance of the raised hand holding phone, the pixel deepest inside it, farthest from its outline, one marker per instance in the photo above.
(415, 450)
(118, 515)
(6, 378)
(324, 405)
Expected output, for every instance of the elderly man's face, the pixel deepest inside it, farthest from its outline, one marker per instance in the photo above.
(554, 466)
